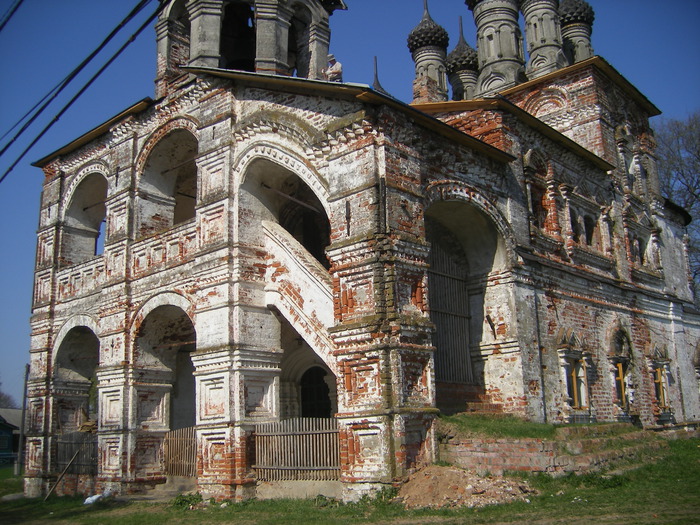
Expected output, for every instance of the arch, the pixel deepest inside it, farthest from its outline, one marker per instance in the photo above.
(168, 178)
(547, 101)
(286, 159)
(74, 377)
(450, 190)
(466, 246)
(535, 161)
(162, 346)
(83, 219)
(181, 122)
(74, 321)
(161, 299)
(315, 393)
(297, 359)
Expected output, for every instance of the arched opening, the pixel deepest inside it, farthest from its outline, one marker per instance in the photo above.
(307, 387)
(83, 230)
(274, 193)
(75, 367)
(168, 185)
(298, 52)
(164, 344)
(238, 43)
(315, 394)
(465, 249)
(179, 33)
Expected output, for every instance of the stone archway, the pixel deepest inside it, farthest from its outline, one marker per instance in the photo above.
(75, 369)
(466, 248)
(164, 341)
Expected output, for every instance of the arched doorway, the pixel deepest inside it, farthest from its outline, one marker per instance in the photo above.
(166, 410)
(76, 402)
(315, 394)
(164, 342)
(465, 249)
(75, 377)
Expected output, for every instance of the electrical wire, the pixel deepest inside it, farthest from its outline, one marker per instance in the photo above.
(8, 14)
(64, 83)
(84, 88)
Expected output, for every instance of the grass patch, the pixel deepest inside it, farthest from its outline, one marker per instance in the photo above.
(661, 492)
(9, 483)
(469, 425)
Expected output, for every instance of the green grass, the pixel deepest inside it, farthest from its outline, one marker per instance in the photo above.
(9, 484)
(497, 426)
(661, 492)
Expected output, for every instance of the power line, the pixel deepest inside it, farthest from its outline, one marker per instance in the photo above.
(8, 14)
(64, 83)
(84, 88)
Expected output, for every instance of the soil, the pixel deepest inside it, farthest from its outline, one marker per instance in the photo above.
(440, 486)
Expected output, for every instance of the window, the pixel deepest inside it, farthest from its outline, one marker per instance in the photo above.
(574, 363)
(621, 357)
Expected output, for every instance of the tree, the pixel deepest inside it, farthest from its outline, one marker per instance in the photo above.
(6, 400)
(678, 153)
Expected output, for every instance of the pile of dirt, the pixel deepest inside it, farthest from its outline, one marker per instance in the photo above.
(438, 486)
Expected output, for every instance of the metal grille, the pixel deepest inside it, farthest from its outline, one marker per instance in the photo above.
(84, 444)
(180, 452)
(449, 310)
(297, 449)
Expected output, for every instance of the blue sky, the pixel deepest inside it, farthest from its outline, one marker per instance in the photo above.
(655, 45)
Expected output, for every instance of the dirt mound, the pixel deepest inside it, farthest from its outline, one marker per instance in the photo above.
(436, 486)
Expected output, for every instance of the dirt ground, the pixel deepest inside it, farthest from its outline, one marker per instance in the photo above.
(446, 486)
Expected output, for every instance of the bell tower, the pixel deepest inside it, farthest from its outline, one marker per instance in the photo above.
(260, 36)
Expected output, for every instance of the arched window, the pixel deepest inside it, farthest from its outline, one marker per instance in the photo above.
(168, 186)
(83, 228)
(621, 357)
(238, 36)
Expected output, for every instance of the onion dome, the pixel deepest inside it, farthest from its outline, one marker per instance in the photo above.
(427, 33)
(576, 11)
(463, 57)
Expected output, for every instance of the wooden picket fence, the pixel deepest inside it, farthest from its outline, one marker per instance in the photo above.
(180, 452)
(297, 449)
(76, 453)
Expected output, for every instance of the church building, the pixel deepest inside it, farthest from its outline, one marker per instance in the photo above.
(263, 275)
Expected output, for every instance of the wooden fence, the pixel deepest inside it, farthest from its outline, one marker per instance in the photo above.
(82, 443)
(297, 449)
(180, 452)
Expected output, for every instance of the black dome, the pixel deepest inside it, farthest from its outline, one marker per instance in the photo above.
(427, 33)
(576, 11)
(462, 58)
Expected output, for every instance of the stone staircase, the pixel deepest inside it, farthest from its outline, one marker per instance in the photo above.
(576, 449)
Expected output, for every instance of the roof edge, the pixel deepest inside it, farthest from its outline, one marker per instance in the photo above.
(94, 132)
(501, 103)
(604, 66)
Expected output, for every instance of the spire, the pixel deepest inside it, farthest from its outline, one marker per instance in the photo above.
(376, 84)
(462, 68)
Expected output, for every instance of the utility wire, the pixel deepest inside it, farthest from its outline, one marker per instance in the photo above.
(8, 14)
(62, 85)
(84, 88)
